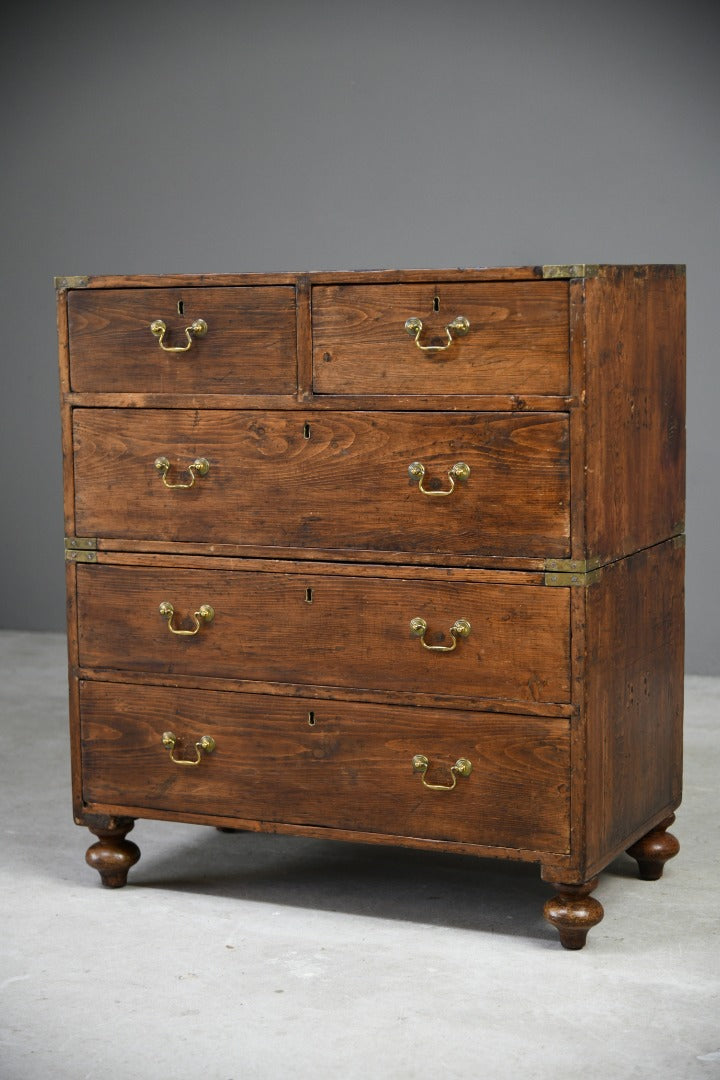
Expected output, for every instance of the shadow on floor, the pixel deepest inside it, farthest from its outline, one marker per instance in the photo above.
(390, 883)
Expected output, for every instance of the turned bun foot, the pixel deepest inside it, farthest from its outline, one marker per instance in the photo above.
(573, 912)
(654, 849)
(113, 855)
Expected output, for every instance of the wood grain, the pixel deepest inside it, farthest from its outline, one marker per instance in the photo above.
(517, 343)
(111, 554)
(336, 480)
(328, 403)
(351, 769)
(635, 404)
(493, 565)
(250, 345)
(436, 700)
(354, 633)
(374, 276)
(309, 399)
(633, 697)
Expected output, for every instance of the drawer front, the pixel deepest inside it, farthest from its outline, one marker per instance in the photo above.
(329, 630)
(517, 341)
(343, 764)
(249, 346)
(327, 480)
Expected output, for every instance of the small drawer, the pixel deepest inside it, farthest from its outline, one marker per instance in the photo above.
(340, 481)
(512, 338)
(248, 346)
(328, 629)
(348, 765)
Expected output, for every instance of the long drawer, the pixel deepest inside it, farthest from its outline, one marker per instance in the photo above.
(340, 764)
(309, 628)
(336, 480)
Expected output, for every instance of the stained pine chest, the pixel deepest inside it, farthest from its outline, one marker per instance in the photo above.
(391, 556)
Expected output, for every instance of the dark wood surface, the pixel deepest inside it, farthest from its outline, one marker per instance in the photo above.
(517, 342)
(486, 567)
(633, 704)
(634, 330)
(112, 855)
(249, 346)
(354, 633)
(444, 402)
(367, 276)
(336, 480)
(310, 400)
(351, 768)
(573, 912)
(654, 849)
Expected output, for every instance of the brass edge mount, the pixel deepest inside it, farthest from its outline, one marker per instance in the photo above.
(583, 580)
(582, 572)
(588, 270)
(78, 282)
(81, 549)
(573, 566)
(574, 270)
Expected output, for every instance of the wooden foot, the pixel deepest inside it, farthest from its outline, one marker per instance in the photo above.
(654, 849)
(573, 912)
(113, 855)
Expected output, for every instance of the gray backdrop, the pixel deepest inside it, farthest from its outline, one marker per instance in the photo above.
(251, 136)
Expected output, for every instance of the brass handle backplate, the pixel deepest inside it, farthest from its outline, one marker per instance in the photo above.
(204, 613)
(459, 326)
(205, 745)
(459, 471)
(198, 467)
(461, 627)
(462, 767)
(197, 329)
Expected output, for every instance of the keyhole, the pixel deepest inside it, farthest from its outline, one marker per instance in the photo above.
(436, 303)
(311, 719)
(306, 430)
(181, 308)
(308, 596)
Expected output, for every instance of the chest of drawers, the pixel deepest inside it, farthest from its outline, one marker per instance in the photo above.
(389, 556)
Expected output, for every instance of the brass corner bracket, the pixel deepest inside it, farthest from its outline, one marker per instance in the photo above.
(78, 282)
(573, 270)
(578, 579)
(579, 572)
(81, 549)
(574, 566)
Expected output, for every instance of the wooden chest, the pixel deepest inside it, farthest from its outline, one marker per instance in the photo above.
(387, 556)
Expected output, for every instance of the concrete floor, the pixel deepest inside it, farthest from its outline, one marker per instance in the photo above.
(240, 956)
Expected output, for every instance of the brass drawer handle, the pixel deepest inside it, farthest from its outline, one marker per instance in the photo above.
(197, 329)
(418, 627)
(198, 467)
(459, 471)
(462, 767)
(459, 326)
(204, 612)
(204, 745)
